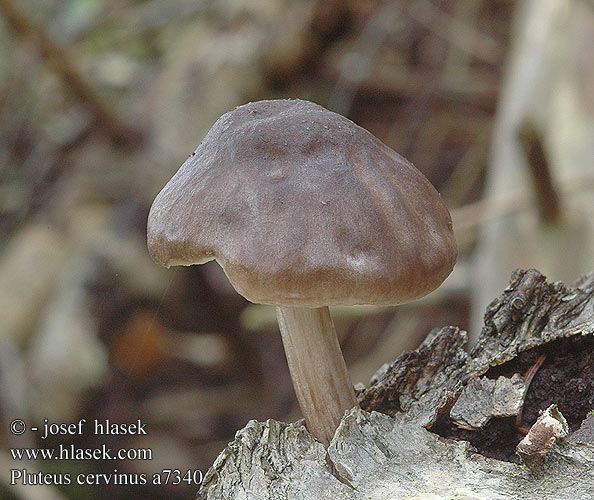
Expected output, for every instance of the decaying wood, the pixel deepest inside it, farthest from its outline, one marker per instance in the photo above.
(550, 428)
(585, 434)
(502, 397)
(532, 312)
(393, 455)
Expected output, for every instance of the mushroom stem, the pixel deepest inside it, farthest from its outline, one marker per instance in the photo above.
(318, 370)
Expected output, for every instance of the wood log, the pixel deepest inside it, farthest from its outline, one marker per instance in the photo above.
(393, 448)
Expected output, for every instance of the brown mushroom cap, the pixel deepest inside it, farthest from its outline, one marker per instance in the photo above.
(301, 207)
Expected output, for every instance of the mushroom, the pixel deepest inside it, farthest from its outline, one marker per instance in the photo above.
(303, 210)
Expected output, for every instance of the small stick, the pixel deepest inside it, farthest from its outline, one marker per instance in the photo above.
(119, 132)
(547, 195)
(469, 216)
(528, 376)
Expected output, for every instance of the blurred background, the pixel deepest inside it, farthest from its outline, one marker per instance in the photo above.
(101, 101)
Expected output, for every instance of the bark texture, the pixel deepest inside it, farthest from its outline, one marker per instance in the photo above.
(393, 455)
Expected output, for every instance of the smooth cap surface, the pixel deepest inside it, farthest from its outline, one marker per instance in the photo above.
(301, 207)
